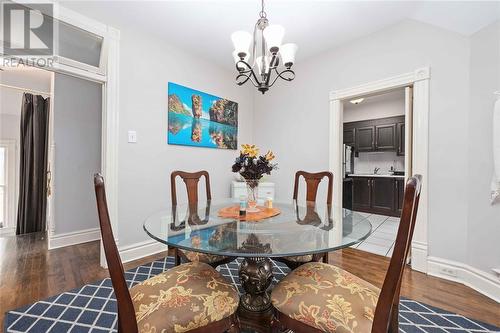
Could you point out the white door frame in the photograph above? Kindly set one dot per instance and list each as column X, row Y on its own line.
column 419, row 79
column 110, row 107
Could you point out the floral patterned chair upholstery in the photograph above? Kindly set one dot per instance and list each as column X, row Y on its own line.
column 327, row 298
column 191, row 297
column 317, row 297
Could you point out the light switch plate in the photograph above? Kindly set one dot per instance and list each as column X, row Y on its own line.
column 132, row 136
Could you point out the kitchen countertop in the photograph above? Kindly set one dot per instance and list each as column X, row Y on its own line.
column 373, row 175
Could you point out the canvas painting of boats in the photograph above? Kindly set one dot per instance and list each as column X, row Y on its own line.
column 199, row 119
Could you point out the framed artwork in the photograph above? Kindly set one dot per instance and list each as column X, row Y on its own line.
column 199, row 119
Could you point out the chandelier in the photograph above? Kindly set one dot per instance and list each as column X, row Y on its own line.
column 265, row 54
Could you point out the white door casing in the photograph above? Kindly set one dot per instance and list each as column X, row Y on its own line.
column 419, row 80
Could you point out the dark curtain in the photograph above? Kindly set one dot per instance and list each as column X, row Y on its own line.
column 33, row 164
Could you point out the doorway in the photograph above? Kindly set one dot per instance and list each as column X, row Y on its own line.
column 376, row 163
column 416, row 136
column 24, row 116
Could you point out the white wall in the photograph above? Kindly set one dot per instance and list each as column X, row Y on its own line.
column 374, row 107
column 294, row 117
column 147, row 64
column 484, row 220
column 77, row 139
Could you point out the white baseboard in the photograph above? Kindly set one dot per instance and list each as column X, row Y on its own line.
column 141, row 250
column 8, row 231
column 419, row 256
column 485, row 283
column 72, row 238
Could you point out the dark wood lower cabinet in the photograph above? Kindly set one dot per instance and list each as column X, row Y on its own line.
column 383, row 195
column 378, row 195
column 361, row 193
column 400, row 191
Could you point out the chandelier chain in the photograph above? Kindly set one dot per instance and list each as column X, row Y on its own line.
column 262, row 13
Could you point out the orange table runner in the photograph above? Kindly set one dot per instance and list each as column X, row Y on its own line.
column 233, row 212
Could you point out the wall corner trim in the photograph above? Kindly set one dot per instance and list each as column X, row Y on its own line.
column 485, row 283
column 140, row 250
column 419, row 256
column 72, row 238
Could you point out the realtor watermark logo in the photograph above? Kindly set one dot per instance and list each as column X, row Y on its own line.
column 28, row 31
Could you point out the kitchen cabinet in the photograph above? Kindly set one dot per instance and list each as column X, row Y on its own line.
column 400, row 192
column 361, row 193
column 377, row 195
column 365, row 139
column 384, row 134
column 401, row 139
column 383, row 195
column 386, row 137
column 349, row 134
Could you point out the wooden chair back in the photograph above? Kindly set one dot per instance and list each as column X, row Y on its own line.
column 312, row 183
column 126, row 314
column 191, row 180
column 386, row 312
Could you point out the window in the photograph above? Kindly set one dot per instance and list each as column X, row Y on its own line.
column 8, row 191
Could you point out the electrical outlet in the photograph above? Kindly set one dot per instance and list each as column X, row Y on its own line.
column 449, row 271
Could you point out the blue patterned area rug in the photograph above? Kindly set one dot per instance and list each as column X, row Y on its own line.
column 92, row 308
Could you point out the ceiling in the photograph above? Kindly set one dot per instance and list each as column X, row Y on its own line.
column 204, row 27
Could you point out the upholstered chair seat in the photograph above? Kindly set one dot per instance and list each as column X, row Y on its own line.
column 186, row 297
column 301, row 259
column 327, row 298
column 202, row 257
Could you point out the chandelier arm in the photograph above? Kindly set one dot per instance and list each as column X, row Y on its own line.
column 249, row 75
column 243, row 70
column 272, row 65
column 280, row 75
column 242, row 75
column 255, row 83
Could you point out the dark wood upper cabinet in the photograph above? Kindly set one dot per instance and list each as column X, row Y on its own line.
column 401, row 139
column 365, row 138
column 385, row 137
column 361, row 193
column 349, row 134
column 383, row 195
column 384, row 134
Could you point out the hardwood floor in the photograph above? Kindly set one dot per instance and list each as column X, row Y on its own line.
column 28, row 272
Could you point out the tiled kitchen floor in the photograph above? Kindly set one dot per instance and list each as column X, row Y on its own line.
column 381, row 241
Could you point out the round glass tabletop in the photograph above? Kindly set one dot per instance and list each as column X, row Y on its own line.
column 297, row 229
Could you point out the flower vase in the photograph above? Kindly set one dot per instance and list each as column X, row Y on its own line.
column 252, row 195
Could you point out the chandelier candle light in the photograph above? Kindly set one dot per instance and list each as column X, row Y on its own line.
column 266, row 52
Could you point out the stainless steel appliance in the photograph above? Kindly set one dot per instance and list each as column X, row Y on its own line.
column 348, row 160
column 348, row 168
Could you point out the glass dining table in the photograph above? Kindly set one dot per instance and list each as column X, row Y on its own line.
column 285, row 230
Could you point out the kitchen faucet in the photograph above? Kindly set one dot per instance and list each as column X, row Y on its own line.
column 375, row 170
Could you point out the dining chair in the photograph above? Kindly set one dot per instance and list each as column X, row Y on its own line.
column 317, row 297
column 191, row 297
column 312, row 183
column 191, row 179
